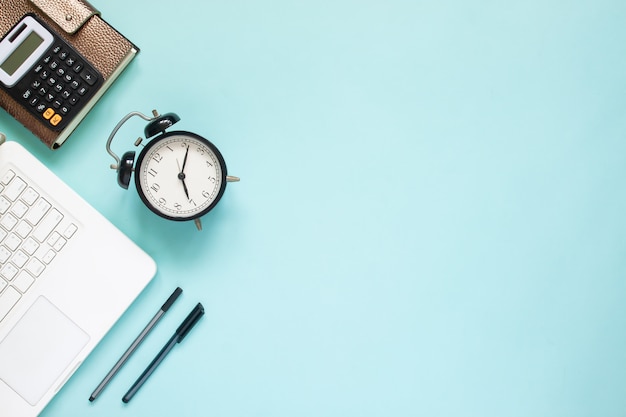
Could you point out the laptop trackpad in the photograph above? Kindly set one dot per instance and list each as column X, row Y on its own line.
column 38, row 349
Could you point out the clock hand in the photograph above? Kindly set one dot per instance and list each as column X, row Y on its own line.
column 185, row 160
column 181, row 177
column 185, row 188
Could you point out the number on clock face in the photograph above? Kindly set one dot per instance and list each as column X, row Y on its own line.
column 180, row 176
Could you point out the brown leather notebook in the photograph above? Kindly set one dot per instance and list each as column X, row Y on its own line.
column 57, row 58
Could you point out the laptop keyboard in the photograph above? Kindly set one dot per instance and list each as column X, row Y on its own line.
column 32, row 233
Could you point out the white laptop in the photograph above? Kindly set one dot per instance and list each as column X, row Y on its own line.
column 66, row 275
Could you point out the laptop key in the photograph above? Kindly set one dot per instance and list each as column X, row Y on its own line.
column 19, row 209
column 7, row 177
column 23, row 229
column 4, row 254
column 8, row 299
column 49, row 256
column 37, row 211
column 12, row 242
column 30, row 196
column 8, row 271
column 47, row 225
column 23, row 281
column 35, row 267
column 4, row 204
column 19, row 258
column 29, row 246
column 15, row 188
column 8, row 221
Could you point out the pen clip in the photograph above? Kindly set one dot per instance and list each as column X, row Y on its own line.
column 171, row 300
column 189, row 322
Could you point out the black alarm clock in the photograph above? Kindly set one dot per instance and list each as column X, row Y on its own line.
column 179, row 175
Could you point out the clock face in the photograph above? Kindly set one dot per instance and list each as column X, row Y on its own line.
column 180, row 175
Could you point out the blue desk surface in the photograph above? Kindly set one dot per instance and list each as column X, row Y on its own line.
column 431, row 218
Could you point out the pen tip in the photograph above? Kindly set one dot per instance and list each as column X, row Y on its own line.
column 92, row 398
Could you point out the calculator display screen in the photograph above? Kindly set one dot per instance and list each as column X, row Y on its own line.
column 17, row 57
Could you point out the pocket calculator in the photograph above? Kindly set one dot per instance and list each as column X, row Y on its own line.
column 45, row 74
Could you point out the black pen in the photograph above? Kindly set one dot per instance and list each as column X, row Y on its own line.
column 133, row 346
column 179, row 335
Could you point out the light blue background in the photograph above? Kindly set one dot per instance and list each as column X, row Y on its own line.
column 431, row 219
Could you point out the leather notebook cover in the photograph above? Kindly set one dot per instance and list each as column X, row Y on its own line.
column 81, row 26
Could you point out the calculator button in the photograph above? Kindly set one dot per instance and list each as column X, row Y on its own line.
column 82, row 90
column 63, row 55
column 38, row 68
column 65, row 109
column 54, row 65
column 33, row 101
column 26, row 95
column 47, row 59
column 40, row 107
column 58, row 88
column 49, row 97
column 57, row 103
column 48, row 113
column 36, row 84
column 78, row 67
column 65, row 94
column 73, row 100
column 70, row 61
column 44, row 74
column 88, row 77
column 56, row 119
column 75, row 84
column 56, row 49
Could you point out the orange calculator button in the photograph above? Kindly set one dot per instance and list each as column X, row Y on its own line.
column 56, row 119
column 48, row 113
